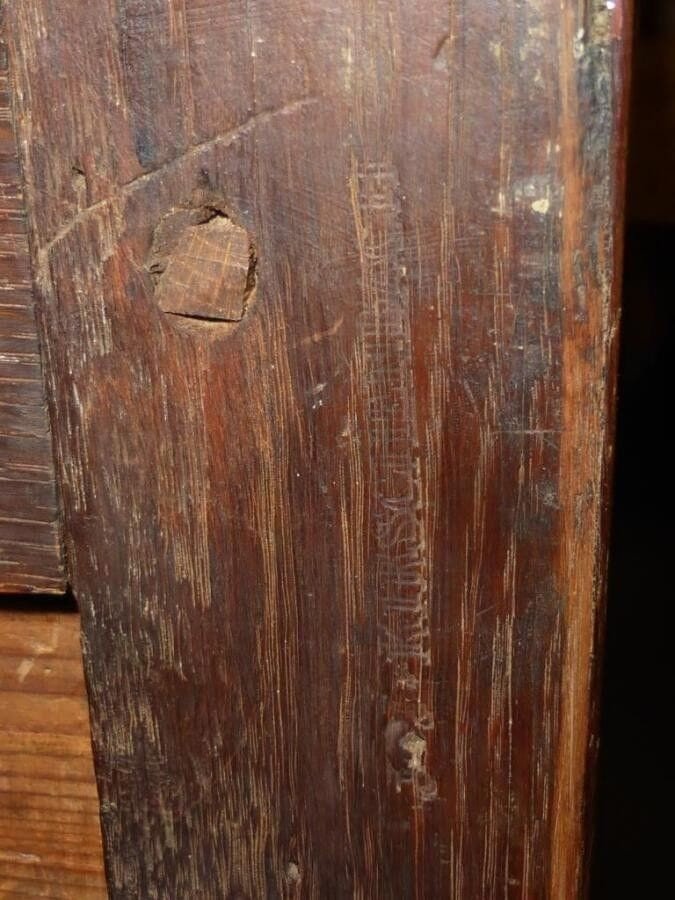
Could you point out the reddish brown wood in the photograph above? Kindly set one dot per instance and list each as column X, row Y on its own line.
column 30, row 546
column 340, row 563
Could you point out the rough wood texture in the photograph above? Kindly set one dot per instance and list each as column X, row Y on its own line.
column 50, row 838
column 30, row 546
column 340, row 564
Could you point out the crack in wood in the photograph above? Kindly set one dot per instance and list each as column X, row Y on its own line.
column 192, row 153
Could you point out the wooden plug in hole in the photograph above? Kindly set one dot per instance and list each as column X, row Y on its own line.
column 203, row 265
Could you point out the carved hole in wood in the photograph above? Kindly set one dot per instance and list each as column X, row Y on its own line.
column 80, row 187
column 203, row 266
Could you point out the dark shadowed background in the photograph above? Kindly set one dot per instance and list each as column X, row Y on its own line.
column 633, row 851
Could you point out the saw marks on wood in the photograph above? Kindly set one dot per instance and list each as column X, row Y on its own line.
column 30, row 544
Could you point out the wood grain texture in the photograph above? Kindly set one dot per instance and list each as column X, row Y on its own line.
column 50, row 837
column 340, row 564
column 30, row 544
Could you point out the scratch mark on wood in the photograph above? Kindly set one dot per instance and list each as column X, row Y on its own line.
column 192, row 154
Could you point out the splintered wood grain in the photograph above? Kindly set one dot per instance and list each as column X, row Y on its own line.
column 340, row 564
column 50, row 838
column 30, row 548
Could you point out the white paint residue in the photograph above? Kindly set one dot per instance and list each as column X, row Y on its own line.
column 23, row 669
column 579, row 43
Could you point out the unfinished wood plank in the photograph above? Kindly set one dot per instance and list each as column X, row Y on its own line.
column 340, row 563
column 50, row 838
column 30, row 545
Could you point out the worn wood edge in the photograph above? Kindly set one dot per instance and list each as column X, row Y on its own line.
column 622, row 64
column 584, row 562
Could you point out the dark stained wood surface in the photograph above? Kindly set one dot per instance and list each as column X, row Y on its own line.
column 340, row 563
column 30, row 546
column 50, row 837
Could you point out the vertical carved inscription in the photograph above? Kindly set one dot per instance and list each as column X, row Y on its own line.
column 398, row 568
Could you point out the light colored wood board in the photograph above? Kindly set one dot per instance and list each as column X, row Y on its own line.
column 50, row 842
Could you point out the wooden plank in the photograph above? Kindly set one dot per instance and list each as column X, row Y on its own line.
column 340, row 562
column 30, row 545
column 50, row 839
